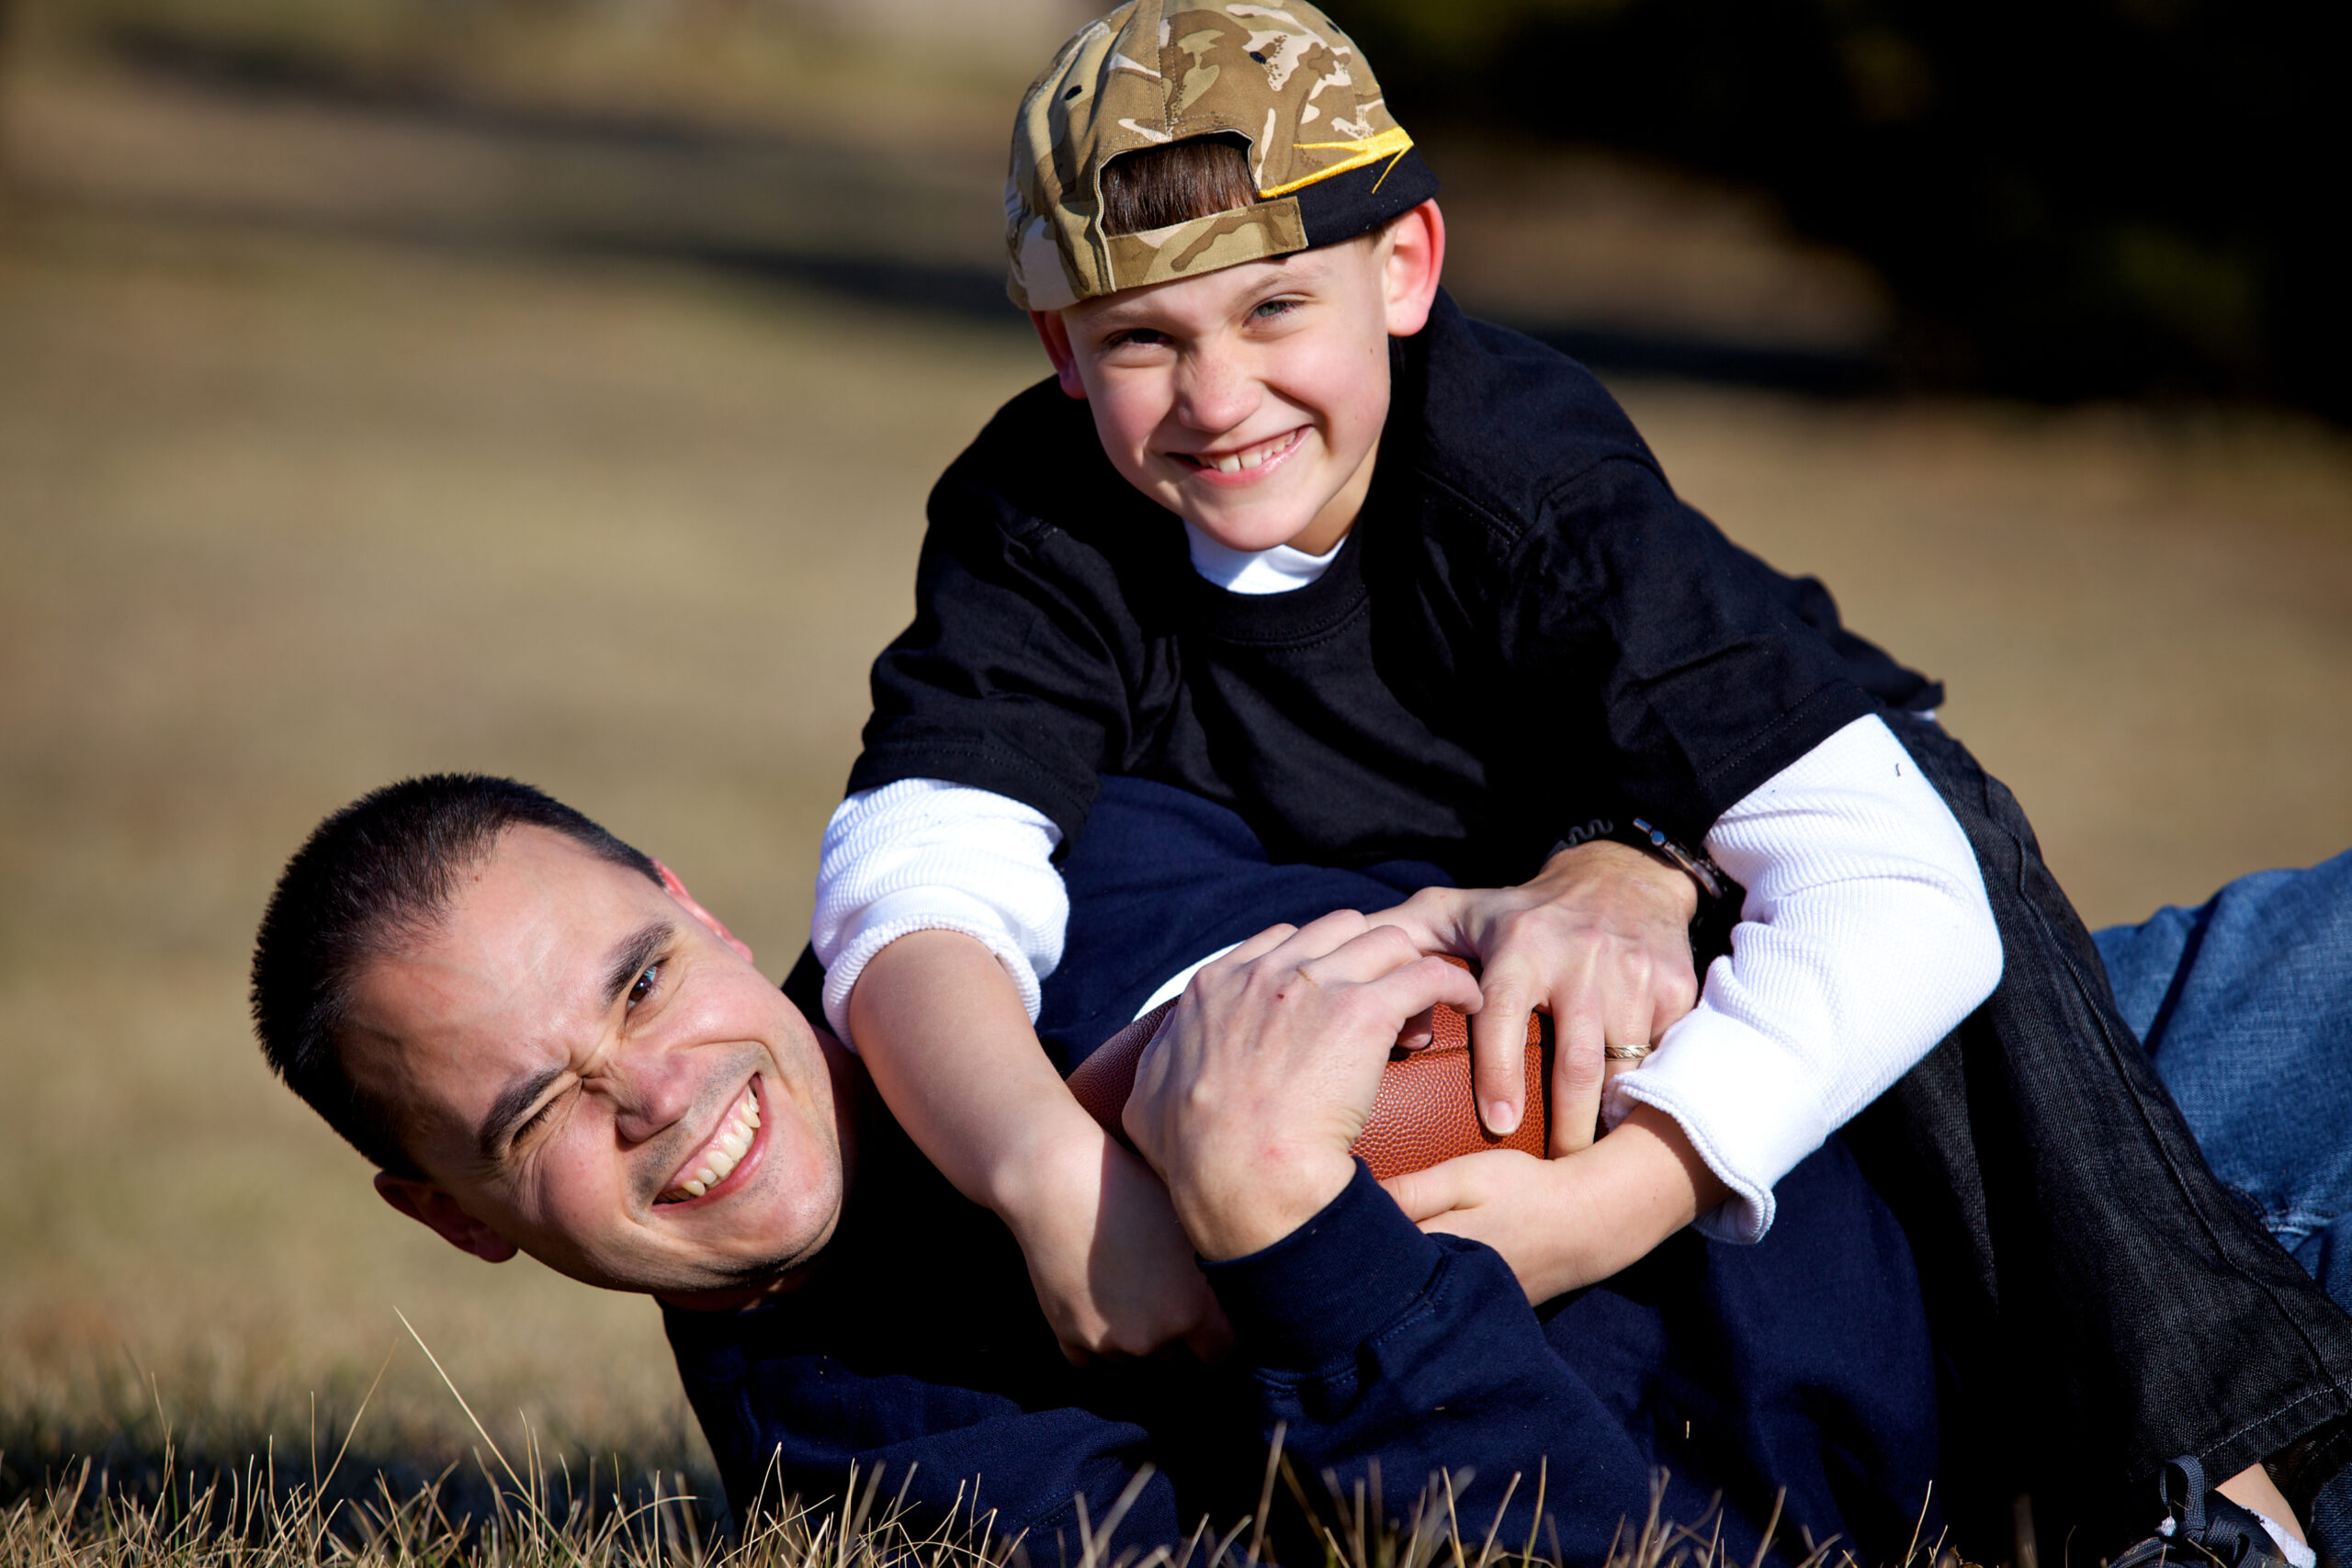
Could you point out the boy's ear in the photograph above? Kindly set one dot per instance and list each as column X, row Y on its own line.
column 1415, row 260
column 431, row 1207
column 711, row 922
column 1053, row 333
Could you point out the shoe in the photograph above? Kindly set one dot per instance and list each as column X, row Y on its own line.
column 2202, row 1528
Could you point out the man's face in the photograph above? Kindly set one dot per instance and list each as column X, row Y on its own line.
column 1249, row 400
column 573, row 1052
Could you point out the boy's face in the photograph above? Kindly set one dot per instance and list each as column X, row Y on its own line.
column 1249, row 400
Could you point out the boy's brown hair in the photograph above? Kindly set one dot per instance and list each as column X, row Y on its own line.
column 1175, row 184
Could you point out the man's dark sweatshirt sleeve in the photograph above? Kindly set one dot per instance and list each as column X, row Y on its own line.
column 1372, row 1342
column 1365, row 1339
column 1799, row 1363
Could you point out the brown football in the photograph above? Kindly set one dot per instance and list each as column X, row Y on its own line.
column 1424, row 1112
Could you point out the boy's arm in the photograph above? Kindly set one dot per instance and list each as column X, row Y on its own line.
column 944, row 1034
column 926, row 854
column 937, row 909
column 1865, row 938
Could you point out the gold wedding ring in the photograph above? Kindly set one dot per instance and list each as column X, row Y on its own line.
column 1626, row 1053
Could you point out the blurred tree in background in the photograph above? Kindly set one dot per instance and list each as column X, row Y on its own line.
column 2066, row 198
column 2069, row 198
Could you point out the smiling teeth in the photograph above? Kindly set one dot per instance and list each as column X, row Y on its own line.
column 1234, row 462
column 724, row 1152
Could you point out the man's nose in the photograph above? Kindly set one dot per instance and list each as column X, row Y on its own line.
column 653, row 1087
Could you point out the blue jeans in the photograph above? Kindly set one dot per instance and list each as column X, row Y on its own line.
column 2245, row 1003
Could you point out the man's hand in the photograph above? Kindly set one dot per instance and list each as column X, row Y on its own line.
column 1561, row 1224
column 1111, row 1268
column 1248, row 1099
column 1600, row 938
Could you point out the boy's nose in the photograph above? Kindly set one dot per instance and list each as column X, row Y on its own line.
column 1215, row 393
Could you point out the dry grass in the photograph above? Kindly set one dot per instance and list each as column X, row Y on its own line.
column 288, row 513
column 257, row 1516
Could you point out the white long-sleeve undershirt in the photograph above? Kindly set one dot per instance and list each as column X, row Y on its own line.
column 921, row 854
column 1864, row 939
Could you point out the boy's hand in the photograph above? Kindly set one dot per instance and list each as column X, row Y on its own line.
column 1566, row 1223
column 1111, row 1268
column 1600, row 938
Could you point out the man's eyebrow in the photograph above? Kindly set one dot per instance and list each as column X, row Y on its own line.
column 508, row 1108
column 631, row 956
column 622, row 966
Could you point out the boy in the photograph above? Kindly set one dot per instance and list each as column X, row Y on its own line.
column 1464, row 622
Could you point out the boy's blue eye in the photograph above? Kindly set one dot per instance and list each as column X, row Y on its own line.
column 1273, row 307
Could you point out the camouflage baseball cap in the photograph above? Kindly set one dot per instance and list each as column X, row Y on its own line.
column 1328, row 161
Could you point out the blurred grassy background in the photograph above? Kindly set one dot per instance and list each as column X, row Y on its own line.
column 552, row 389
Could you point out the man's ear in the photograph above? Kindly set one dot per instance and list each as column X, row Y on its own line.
column 716, row 925
column 431, row 1207
column 1415, row 259
column 1053, row 333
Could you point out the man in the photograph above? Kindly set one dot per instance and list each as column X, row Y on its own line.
column 546, row 1045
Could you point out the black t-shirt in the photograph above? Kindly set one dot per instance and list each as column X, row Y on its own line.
column 1525, row 630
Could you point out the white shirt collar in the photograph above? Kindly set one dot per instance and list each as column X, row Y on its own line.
column 1278, row 571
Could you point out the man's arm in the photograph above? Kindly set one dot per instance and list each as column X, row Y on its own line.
column 1384, row 1351
column 1370, row 1341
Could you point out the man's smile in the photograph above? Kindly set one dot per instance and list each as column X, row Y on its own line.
column 726, row 1159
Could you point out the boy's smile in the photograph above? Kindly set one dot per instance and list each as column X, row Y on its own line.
column 1249, row 400
column 1248, row 459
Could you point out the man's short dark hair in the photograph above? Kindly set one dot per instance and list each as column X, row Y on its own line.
column 376, row 875
column 1155, row 187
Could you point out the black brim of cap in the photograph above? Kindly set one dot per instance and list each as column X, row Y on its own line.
column 1363, row 198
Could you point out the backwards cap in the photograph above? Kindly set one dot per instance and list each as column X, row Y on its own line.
column 1328, row 161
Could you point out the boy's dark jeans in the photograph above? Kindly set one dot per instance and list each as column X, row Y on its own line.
column 2102, row 1302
